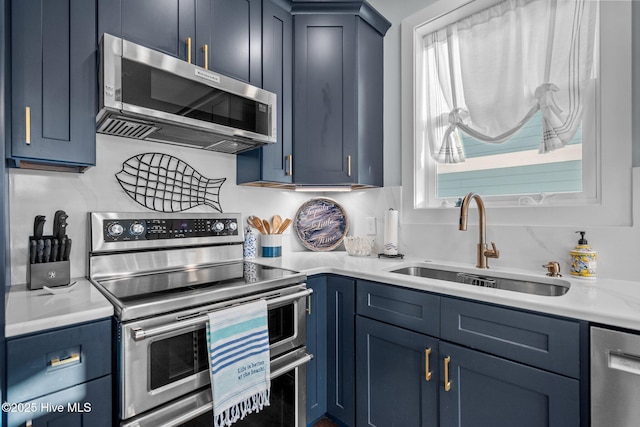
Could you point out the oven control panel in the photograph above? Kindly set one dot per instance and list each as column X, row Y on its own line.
column 168, row 228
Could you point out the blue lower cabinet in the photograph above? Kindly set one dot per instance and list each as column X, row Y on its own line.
column 60, row 377
column 83, row 405
column 341, row 349
column 486, row 390
column 397, row 378
column 316, row 345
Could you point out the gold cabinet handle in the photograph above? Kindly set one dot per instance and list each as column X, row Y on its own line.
column 27, row 121
column 447, row 383
column 309, row 304
column 348, row 165
column 205, row 49
column 289, row 172
column 189, row 50
column 75, row 357
column 427, row 375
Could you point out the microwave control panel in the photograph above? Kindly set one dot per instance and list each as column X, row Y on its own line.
column 168, row 229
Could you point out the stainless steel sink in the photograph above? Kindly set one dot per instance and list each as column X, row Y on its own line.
column 546, row 287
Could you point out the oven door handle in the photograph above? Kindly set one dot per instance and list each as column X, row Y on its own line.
column 302, row 357
column 140, row 334
column 306, row 358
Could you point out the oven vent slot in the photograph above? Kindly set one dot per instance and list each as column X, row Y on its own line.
column 126, row 128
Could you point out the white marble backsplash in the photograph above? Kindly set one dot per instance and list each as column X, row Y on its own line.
column 97, row 190
column 521, row 247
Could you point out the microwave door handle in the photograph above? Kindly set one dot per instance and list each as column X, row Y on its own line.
column 140, row 334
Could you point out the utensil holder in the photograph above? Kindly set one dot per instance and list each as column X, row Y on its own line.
column 271, row 245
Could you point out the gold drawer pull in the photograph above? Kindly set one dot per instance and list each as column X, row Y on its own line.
column 189, row 50
column 348, row 165
column 289, row 171
column 447, row 383
column 427, row 375
column 27, row 120
column 75, row 357
column 205, row 48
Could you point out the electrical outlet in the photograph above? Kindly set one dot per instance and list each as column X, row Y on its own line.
column 371, row 225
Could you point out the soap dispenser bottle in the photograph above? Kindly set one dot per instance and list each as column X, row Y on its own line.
column 584, row 260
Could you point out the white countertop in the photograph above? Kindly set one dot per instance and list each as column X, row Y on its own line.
column 34, row 311
column 609, row 302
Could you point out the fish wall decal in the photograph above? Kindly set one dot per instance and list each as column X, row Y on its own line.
column 165, row 183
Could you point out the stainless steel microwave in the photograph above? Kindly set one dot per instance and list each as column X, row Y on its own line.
column 146, row 94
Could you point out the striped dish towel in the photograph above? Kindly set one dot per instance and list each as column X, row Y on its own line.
column 238, row 342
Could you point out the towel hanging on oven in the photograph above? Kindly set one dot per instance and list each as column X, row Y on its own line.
column 238, row 343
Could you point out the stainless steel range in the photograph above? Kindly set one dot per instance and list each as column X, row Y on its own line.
column 163, row 273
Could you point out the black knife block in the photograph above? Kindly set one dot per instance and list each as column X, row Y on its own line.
column 49, row 274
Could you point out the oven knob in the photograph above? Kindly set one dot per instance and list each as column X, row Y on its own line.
column 233, row 226
column 218, row 226
column 115, row 229
column 136, row 229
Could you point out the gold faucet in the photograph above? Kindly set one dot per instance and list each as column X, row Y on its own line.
column 483, row 251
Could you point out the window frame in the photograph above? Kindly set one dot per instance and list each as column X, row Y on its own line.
column 605, row 202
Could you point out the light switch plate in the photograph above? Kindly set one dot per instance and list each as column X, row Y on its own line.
column 371, row 225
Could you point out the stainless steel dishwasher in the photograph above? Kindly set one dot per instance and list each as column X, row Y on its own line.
column 615, row 378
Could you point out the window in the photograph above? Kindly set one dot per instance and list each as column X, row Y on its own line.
column 513, row 168
column 501, row 162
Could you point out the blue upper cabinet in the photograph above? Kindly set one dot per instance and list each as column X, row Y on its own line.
column 53, row 84
column 220, row 35
column 338, row 102
column 165, row 25
column 273, row 163
column 236, row 48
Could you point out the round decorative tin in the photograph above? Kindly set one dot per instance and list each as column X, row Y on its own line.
column 321, row 224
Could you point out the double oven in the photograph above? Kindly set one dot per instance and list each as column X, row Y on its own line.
column 164, row 273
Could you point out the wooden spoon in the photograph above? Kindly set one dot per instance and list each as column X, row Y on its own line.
column 276, row 221
column 284, row 225
column 257, row 224
column 266, row 225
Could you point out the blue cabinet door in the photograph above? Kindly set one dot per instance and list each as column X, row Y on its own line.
column 163, row 25
column 236, row 37
column 397, row 379
column 341, row 349
column 84, row 405
column 54, row 82
column 273, row 163
column 325, row 99
column 316, row 345
column 487, row 390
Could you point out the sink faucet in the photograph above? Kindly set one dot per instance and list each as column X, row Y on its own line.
column 483, row 251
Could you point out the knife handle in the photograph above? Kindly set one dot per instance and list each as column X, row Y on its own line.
column 47, row 250
column 54, row 250
column 32, row 252
column 40, row 250
column 63, row 246
column 38, row 226
column 67, row 250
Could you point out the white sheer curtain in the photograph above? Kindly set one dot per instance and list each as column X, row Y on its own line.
column 489, row 73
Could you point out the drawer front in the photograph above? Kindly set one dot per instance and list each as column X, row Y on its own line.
column 418, row 311
column 536, row 340
column 47, row 362
column 83, row 405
